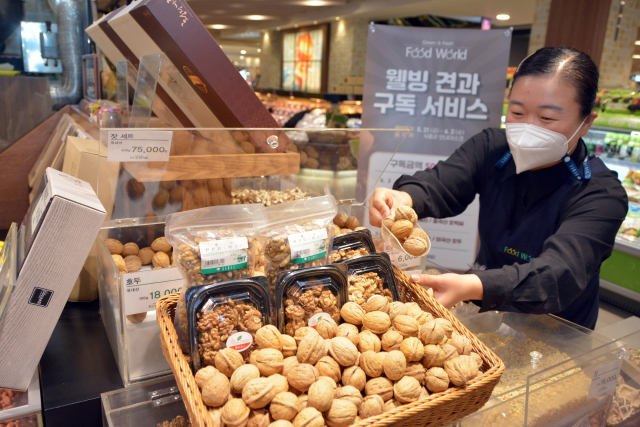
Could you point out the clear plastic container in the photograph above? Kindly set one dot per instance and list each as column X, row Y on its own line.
column 304, row 296
column 371, row 275
column 334, row 150
column 24, row 406
column 226, row 314
column 352, row 245
column 8, row 266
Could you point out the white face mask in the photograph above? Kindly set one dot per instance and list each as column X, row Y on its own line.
column 534, row 146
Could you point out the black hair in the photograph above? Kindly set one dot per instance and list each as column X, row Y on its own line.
column 576, row 67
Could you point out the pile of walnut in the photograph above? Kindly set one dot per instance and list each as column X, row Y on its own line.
column 12, row 399
column 267, row 197
column 364, row 286
column 129, row 258
column 344, row 225
column 386, row 355
column 300, row 306
column 401, row 224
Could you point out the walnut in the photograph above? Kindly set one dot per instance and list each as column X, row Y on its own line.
column 461, row 343
column 228, row 360
column 415, row 370
column 407, row 390
column 328, row 367
column 381, row 386
column 372, row 364
column 461, row 370
column 302, row 332
column 394, row 365
column 351, row 394
column 258, row 393
column 146, row 255
column 401, row 229
column 355, row 377
column 302, row 376
column 416, row 247
column 137, row 318
column 133, row 263
column 241, row 377
column 302, row 402
column 369, row 341
column 114, row 246
column 311, row 348
column 450, row 352
column 371, row 406
column 342, row 413
column 389, row 221
column 405, row 212
column 391, row 340
column 160, row 260
column 423, row 317
column 433, row 356
column 340, row 220
column 406, row 325
column 269, row 336
column 283, row 406
column 327, row 328
column 280, row 383
column 413, row 309
column 352, row 313
column 327, row 299
column 352, row 223
column 259, row 418
column 377, row 303
column 349, row 331
column 269, row 361
column 431, row 333
column 235, row 413
column 377, row 322
column 216, row 390
column 412, row 349
column 321, row 393
column 289, row 363
column 204, row 374
column 343, row 351
column 120, row 264
column 130, row 249
column 281, row 423
column 437, row 380
column 289, row 346
column 391, row 404
column 308, row 417
column 161, row 245
column 446, row 326
column 476, row 357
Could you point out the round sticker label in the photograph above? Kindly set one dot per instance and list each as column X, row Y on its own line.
column 240, row 341
column 313, row 322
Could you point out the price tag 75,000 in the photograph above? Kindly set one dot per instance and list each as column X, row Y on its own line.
column 138, row 146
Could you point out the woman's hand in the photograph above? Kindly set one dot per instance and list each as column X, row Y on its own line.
column 449, row 289
column 384, row 201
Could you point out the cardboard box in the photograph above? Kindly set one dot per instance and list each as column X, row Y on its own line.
column 55, row 238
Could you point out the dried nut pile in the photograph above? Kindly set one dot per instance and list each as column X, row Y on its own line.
column 300, row 306
column 217, row 325
column 169, row 192
column 364, row 286
column 12, row 399
column 267, row 197
column 29, row 421
column 344, row 224
column 178, row 421
column 338, row 375
column 129, row 258
column 401, row 224
column 342, row 254
column 626, row 404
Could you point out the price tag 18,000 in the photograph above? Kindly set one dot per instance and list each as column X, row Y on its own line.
column 605, row 379
column 139, row 146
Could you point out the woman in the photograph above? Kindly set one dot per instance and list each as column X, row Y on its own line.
column 548, row 213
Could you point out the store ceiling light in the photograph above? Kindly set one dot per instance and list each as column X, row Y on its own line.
column 259, row 50
column 316, row 3
column 503, row 17
column 243, row 51
column 241, row 57
column 636, row 56
column 637, row 42
column 218, row 26
column 337, row 18
column 256, row 17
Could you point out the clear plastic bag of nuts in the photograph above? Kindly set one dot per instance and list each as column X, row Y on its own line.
column 303, row 297
column 212, row 245
column 297, row 235
column 226, row 315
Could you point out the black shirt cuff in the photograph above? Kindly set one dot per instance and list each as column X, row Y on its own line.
column 496, row 290
column 418, row 196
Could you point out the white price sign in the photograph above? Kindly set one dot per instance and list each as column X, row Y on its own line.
column 139, row 146
column 142, row 290
column 605, row 379
column 401, row 260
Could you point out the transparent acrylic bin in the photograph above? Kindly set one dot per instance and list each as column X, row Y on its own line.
column 28, row 407
column 147, row 404
column 135, row 342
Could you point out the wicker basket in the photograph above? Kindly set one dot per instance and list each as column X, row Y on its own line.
column 437, row 410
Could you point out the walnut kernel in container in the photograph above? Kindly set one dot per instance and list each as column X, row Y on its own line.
column 364, row 286
column 301, row 305
column 343, row 254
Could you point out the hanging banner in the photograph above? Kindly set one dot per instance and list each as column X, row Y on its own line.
column 445, row 85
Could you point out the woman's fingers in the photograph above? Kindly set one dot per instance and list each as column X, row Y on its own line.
column 379, row 206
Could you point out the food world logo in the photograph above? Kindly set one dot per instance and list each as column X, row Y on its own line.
column 423, row 52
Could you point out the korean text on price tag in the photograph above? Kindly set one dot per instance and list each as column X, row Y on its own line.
column 605, row 379
column 308, row 246
column 130, row 145
column 401, row 260
column 224, row 255
column 142, row 290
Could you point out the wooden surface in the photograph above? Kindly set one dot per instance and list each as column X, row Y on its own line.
column 215, row 166
column 580, row 24
column 15, row 164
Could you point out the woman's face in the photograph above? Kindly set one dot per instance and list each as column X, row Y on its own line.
column 548, row 102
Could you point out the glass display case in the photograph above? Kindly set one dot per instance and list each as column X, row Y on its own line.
column 149, row 404
column 24, row 406
column 150, row 173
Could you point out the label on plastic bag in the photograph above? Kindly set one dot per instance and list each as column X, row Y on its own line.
column 313, row 322
column 308, row 246
column 224, row 255
column 605, row 379
column 240, row 341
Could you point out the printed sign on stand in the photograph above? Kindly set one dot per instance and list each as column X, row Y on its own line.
column 445, row 85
